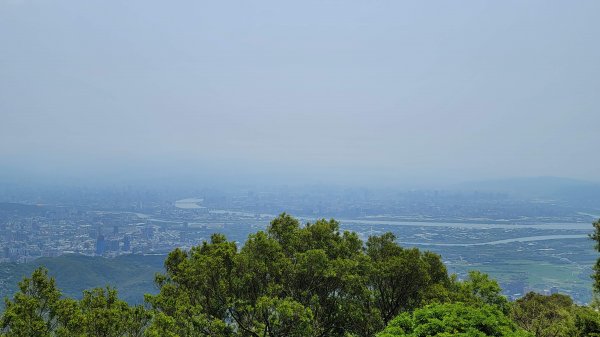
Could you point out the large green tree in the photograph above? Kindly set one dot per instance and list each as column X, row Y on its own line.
column 292, row 280
column 401, row 278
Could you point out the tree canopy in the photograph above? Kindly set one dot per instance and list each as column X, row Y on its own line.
column 453, row 319
column 315, row 274
column 555, row 316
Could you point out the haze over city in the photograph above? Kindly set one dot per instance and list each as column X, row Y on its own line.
column 312, row 91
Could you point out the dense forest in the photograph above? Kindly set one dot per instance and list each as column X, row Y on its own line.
column 301, row 280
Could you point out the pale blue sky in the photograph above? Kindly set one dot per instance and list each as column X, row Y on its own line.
column 342, row 90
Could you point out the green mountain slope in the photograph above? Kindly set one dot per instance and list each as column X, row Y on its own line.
column 133, row 275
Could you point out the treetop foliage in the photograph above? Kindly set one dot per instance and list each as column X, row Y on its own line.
column 316, row 274
column 453, row 319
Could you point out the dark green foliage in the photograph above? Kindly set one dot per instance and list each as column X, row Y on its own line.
column 293, row 280
column 453, row 319
column 555, row 316
column 33, row 311
column 102, row 313
column 400, row 278
column 596, row 237
column 477, row 289
column 38, row 310
column 587, row 322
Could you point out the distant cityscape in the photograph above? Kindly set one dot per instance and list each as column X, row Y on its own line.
column 29, row 231
column 506, row 236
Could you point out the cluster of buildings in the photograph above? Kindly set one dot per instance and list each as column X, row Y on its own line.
column 29, row 232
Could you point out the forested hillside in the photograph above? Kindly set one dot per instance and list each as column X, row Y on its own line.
column 299, row 280
column 132, row 274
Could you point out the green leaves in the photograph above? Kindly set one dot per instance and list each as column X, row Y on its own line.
column 479, row 289
column 283, row 317
column 38, row 310
column 453, row 319
column 402, row 278
column 32, row 312
column 102, row 313
column 555, row 316
column 596, row 237
column 310, row 280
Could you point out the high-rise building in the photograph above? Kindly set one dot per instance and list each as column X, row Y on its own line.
column 127, row 243
column 100, row 245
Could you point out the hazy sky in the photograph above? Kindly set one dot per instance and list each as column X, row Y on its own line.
column 342, row 90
